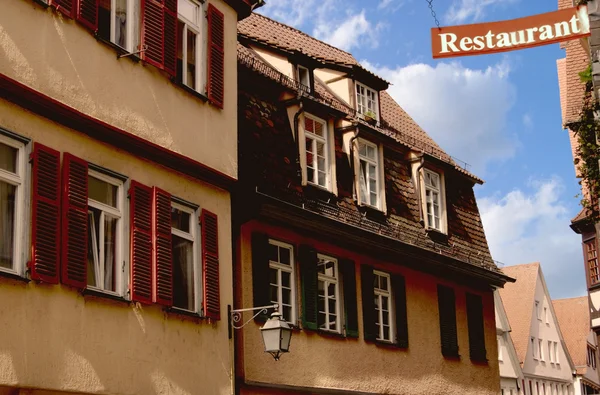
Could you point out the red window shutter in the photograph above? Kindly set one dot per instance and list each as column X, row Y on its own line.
column 74, row 221
column 67, row 7
column 45, row 217
column 210, row 265
column 163, row 265
column 159, row 33
column 140, row 220
column 87, row 13
column 216, row 56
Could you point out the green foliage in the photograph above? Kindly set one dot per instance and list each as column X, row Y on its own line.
column 586, row 129
column 586, row 75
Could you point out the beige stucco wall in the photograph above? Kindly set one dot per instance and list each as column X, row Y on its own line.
column 591, row 373
column 317, row 360
column 54, row 338
column 539, row 329
column 54, row 55
column 342, row 87
column 280, row 63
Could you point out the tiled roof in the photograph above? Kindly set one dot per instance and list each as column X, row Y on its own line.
column 268, row 163
column 395, row 122
column 273, row 33
column 574, row 319
column 518, row 300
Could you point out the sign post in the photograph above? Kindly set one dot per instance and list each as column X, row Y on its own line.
column 532, row 31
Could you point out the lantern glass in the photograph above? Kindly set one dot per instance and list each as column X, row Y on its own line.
column 276, row 334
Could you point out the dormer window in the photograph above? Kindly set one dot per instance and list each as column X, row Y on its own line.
column 432, row 194
column 303, row 77
column 368, row 173
column 367, row 103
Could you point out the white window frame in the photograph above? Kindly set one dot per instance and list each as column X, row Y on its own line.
column 194, row 237
column 380, row 293
column 533, row 348
column 291, row 269
column 366, row 91
column 133, row 15
column 538, row 312
column 20, row 180
column 441, row 200
column 500, row 344
column 332, row 280
column 372, row 162
column 556, row 359
column 197, row 27
column 546, row 315
column 120, row 237
column 541, row 349
column 325, row 140
column 551, row 351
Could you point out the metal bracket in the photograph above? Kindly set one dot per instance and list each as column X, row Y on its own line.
column 236, row 315
column 144, row 49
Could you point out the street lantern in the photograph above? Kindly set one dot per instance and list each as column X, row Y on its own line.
column 276, row 334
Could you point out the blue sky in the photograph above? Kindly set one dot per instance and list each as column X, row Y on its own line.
column 499, row 113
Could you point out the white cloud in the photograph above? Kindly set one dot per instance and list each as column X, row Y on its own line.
column 533, row 226
column 290, row 12
column 464, row 110
column 527, row 121
column 354, row 30
column 343, row 30
column 392, row 5
column 473, row 10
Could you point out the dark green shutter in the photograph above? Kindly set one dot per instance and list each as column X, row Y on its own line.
column 349, row 282
column 476, row 329
column 308, row 267
column 260, row 272
column 399, row 291
column 368, row 302
column 447, row 311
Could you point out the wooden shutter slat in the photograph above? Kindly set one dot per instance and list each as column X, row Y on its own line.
column 260, row 272
column 216, row 56
column 348, row 271
column 399, row 292
column 476, row 328
column 45, row 218
column 74, row 221
column 308, row 267
column 162, row 258
column 210, row 265
column 140, row 220
column 368, row 302
column 67, row 7
column 87, row 14
column 447, row 313
column 159, row 34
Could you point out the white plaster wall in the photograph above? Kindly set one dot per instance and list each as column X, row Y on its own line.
column 277, row 61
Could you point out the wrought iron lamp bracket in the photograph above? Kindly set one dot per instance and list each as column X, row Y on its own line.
column 236, row 315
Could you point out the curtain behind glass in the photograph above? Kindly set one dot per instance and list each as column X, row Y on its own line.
column 183, row 273
column 7, row 224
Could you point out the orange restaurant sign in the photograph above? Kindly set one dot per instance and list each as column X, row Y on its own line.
column 484, row 38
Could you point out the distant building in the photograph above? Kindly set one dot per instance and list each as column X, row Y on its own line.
column 359, row 226
column 545, row 361
column 574, row 318
column 511, row 375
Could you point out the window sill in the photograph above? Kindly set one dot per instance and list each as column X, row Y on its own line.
column 319, row 192
column 183, row 312
column 119, row 50
column 436, row 235
column 106, row 295
column 334, row 335
column 189, row 90
column 389, row 344
column 374, row 213
column 14, row 276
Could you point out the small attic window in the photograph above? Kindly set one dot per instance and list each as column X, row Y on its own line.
column 304, row 77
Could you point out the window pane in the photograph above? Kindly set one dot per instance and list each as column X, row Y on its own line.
column 309, row 125
column 180, row 220
column 102, row 191
column 286, row 296
column 321, row 304
column 373, row 201
column 321, row 286
column 120, row 23
column 332, row 322
column 370, row 152
column 7, row 224
column 322, row 180
column 273, row 276
column 110, row 253
column 104, row 8
column 93, row 268
column 285, row 279
column 191, row 59
column 332, row 309
column 384, row 283
column 287, row 313
column 180, row 65
column 331, row 290
column 273, row 253
column 319, row 129
column 274, row 294
column 183, row 273
column 284, row 255
column 8, row 158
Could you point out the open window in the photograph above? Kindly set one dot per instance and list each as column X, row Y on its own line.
column 118, row 22
column 303, row 77
column 191, row 66
column 431, row 188
column 369, row 174
column 317, row 152
column 367, row 102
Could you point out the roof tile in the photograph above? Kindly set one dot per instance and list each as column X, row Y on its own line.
column 574, row 319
